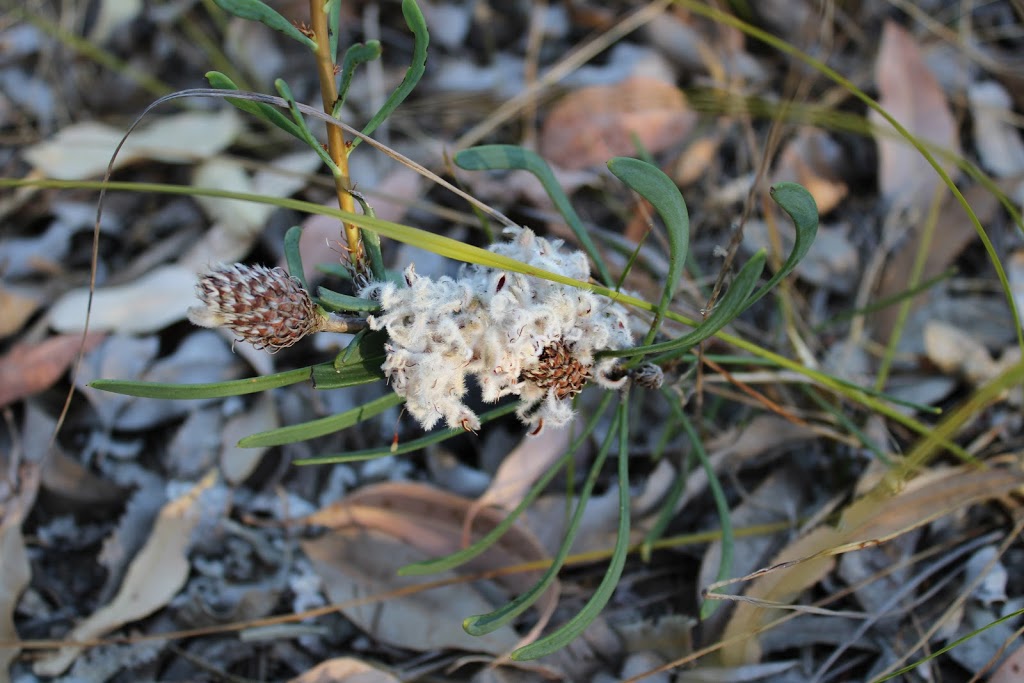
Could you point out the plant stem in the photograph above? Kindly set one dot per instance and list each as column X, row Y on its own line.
column 337, row 147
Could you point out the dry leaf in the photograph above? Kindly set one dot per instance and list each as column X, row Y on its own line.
column 345, row 670
column 1012, row 668
column 378, row 529
column 15, row 571
column 872, row 518
column 912, row 95
column 696, row 159
column 591, row 125
column 29, row 368
column 238, row 463
column 998, row 140
column 83, row 150
column 1015, row 274
column 956, row 352
column 155, row 576
column 17, row 309
column 159, row 298
column 812, row 159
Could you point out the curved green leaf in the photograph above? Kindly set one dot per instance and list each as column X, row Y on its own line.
column 575, row 626
column 360, row 363
column 293, row 256
column 266, row 112
column 258, row 11
column 418, row 25
column 323, row 426
column 734, row 302
column 304, row 133
column 482, row 624
column 506, row 157
column 653, row 185
column 355, row 55
column 235, row 387
column 460, row 557
column 799, row 204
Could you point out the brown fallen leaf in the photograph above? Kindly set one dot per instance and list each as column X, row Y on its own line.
column 591, row 125
column 155, row 576
column 17, row 308
column 381, row 528
column 345, row 670
column 15, row 570
column 1012, row 668
column 869, row 520
column 813, row 159
column 29, row 368
column 912, row 95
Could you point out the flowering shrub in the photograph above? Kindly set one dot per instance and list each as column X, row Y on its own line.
column 516, row 335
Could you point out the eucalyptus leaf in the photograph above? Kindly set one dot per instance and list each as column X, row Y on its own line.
column 261, row 12
column 660, row 190
column 322, row 426
column 506, row 157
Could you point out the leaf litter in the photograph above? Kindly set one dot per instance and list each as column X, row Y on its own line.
column 85, row 560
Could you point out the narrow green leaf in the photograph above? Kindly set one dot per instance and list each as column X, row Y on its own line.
column 734, row 302
column 235, row 387
column 660, row 190
column 460, row 557
column 721, row 504
column 418, row 25
column 266, row 112
column 322, row 426
column 506, row 157
column 293, row 256
column 355, row 55
column 799, row 204
column 371, row 240
column 361, row 363
column 332, row 8
column 304, row 133
column 336, row 302
column 575, row 626
column 434, row 437
column 482, row 624
column 258, row 11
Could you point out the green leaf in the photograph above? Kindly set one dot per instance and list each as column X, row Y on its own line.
column 657, row 188
column 323, row 426
column 799, row 204
column 266, row 112
column 336, row 302
column 361, row 364
column 355, row 55
column 734, row 302
column 575, row 626
column 332, row 8
column 460, row 557
column 304, row 133
column 434, row 437
column 258, row 11
column 483, row 624
column 418, row 25
column 236, row 387
column 293, row 256
column 506, row 157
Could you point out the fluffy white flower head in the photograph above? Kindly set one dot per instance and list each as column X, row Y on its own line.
column 517, row 335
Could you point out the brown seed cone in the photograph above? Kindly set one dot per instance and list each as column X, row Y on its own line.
column 264, row 306
column 558, row 369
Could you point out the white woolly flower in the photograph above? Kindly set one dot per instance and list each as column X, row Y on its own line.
column 516, row 335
